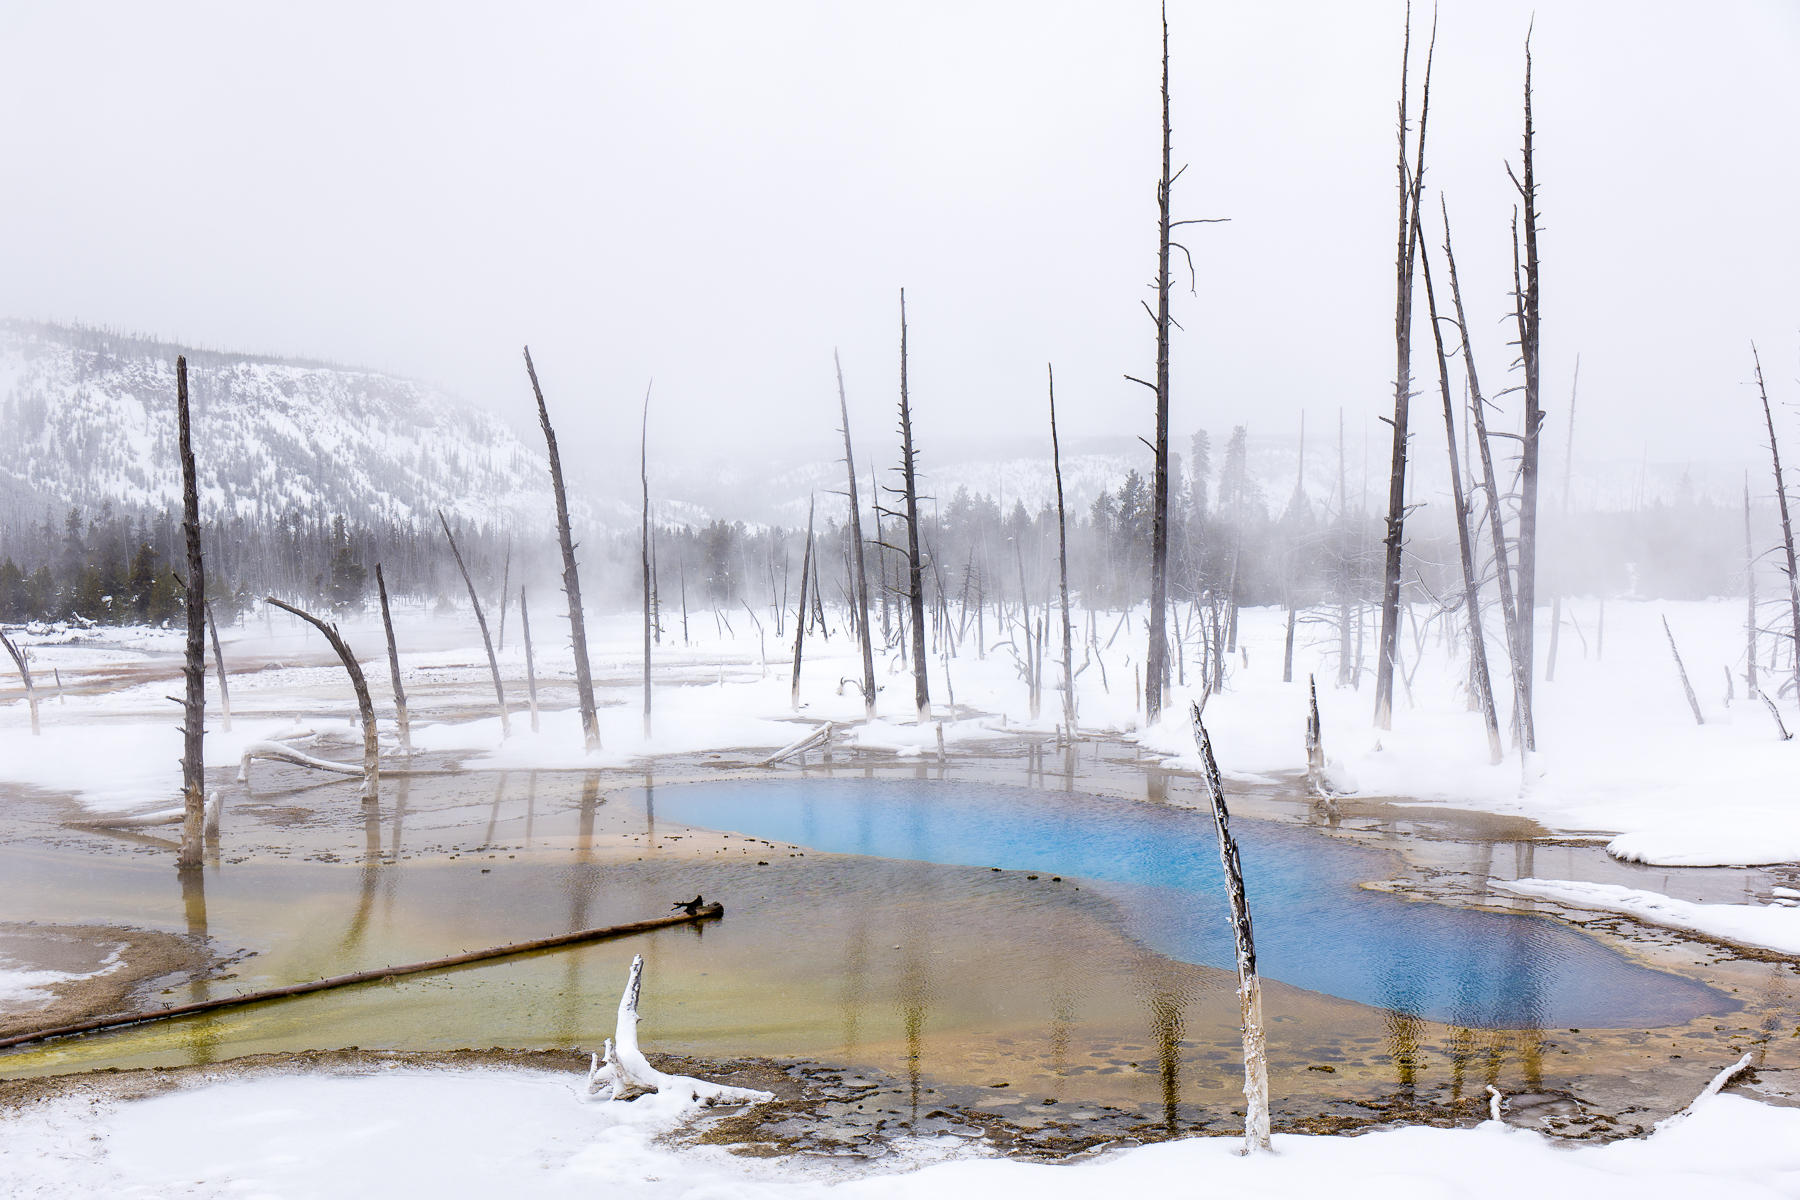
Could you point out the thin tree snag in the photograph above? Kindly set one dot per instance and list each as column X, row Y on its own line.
column 1157, row 655
column 193, row 758
column 1062, row 566
column 1527, row 313
column 915, row 579
column 1781, row 499
column 1411, row 182
column 644, row 543
column 530, row 667
column 806, row 566
column 1256, row 1065
column 1484, row 688
column 584, row 679
column 1568, row 473
column 31, row 698
column 1509, row 613
column 393, row 652
column 1749, row 598
column 505, row 591
column 480, row 620
column 708, row 912
column 860, row 583
column 1687, row 687
column 1775, row 714
column 371, row 739
column 212, row 627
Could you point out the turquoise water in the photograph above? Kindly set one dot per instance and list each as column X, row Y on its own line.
column 1315, row 927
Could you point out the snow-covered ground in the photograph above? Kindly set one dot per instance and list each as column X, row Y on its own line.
column 1620, row 759
column 452, row 1133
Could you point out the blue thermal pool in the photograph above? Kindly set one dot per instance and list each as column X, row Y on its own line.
column 1316, row 928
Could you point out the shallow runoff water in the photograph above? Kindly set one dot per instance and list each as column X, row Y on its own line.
column 1315, row 926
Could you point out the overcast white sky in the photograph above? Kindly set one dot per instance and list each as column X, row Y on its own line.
column 716, row 194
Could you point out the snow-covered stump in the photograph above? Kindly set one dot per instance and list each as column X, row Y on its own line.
column 620, row 1071
column 1256, row 1065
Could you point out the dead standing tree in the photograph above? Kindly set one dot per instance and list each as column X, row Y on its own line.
column 584, row 680
column 1525, row 291
column 1062, row 567
column 915, row 580
column 1484, row 688
column 480, row 620
column 1568, row 474
column 644, row 543
column 859, row 584
column 1522, row 718
column 212, row 627
column 530, row 666
column 1256, row 1065
column 1157, row 659
column 364, row 706
column 806, row 571
column 393, row 650
column 31, row 699
column 1781, row 500
column 193, row 758
column 1406, row 252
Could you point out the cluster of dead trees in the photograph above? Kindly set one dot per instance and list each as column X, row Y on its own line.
column 1481, row 504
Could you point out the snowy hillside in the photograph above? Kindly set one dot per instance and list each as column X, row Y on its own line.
column 87, row 417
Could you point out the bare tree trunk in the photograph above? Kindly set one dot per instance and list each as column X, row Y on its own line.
column 31, row 699
column 915, row 580
column 859, row 585
column 505, row 591
column 1781, row 499
column 1156, row 659
column 644, row 544
column 481, row 620
column 219, row 668
column 1256, row 1066
column 387, row 625
column 1527, row 311
column 584, row 681
column 1568, row 472
column 1484, row 688
column 1346, row 567
column 1410, row 184
column 530, row 666
column 1062, row 565
column 193, row 758
column 1749, row 597
column 1509, row 612
column 371, row 741
column 1687, row 687
column 806, row 564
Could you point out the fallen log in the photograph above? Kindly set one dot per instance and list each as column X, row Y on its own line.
column 705, row 913
column 817, row 738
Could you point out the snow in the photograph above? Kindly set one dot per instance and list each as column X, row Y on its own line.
column 1767, row 926
column 455, row 1133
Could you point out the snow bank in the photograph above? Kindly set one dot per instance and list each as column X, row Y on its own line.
column 464, row 1133
column 1767, row 926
